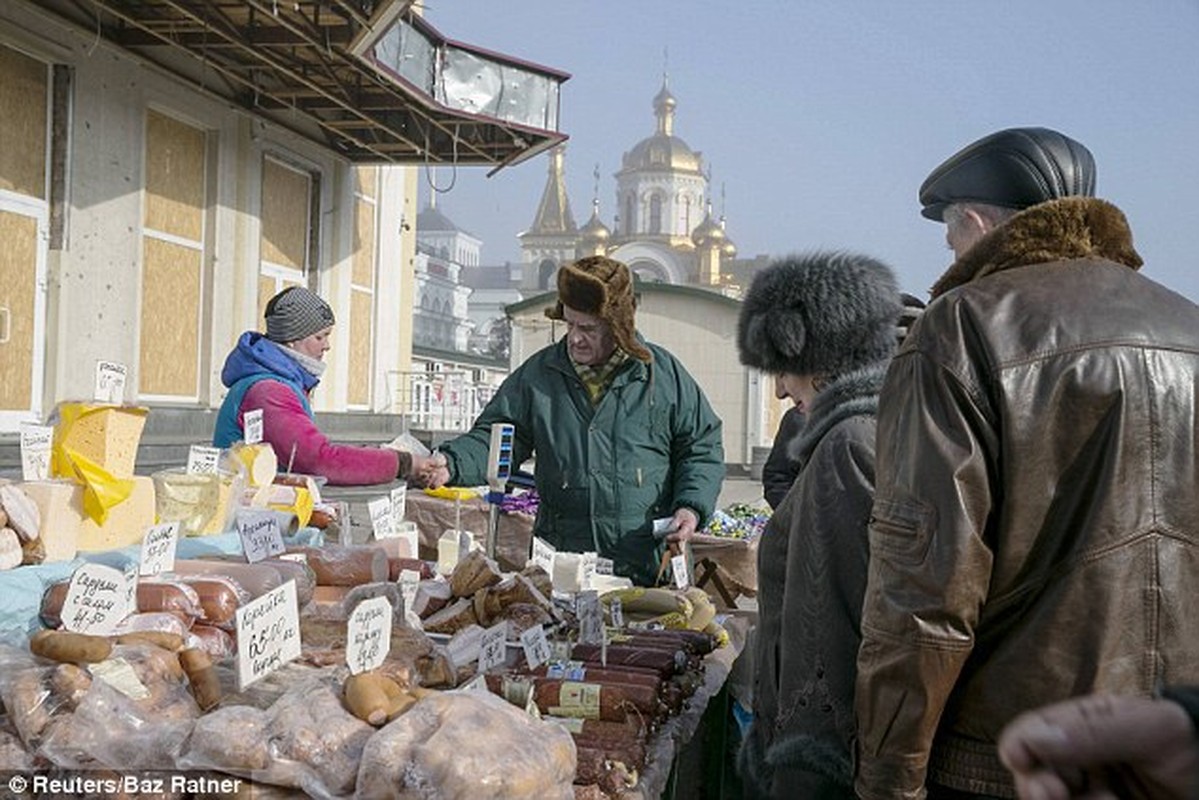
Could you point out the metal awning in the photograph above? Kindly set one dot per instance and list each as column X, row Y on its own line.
column 367, row 78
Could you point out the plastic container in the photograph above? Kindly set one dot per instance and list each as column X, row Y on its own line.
column 199, row 501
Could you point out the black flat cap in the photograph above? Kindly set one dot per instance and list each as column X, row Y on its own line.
column 1014, row 168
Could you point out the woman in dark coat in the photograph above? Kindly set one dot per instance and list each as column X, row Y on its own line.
column 825, row 325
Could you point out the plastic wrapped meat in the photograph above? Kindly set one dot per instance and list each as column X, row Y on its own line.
column 467, row 746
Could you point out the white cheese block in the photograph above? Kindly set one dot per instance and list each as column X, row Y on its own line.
column 568, row 572
column 60, row 504
column 127, row 521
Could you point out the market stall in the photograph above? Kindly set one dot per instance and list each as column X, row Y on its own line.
column 262, row 653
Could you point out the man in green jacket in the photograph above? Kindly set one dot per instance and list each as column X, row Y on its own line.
column 622, row 433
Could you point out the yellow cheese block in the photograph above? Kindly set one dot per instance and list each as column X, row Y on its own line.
column 104, row 434
column 127, row 521
column 60, row 506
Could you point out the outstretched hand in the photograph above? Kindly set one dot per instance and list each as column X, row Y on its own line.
column 1103, row 746
column 431, row 472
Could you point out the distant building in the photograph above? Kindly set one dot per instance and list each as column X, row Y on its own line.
column 663, row 228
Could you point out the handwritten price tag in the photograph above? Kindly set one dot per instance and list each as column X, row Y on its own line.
column 368, row 635
column 97, row 600
column 543, row 555
column 604, row 566
column 158, row 549
column 268, row 634
column 409, row 583
column 616, row 612
column 591, row 618
column 678, row 565
column 589, row 561
column 260, row 534
column 536, row 647
column 110, row 382
column 252, row 426
column 399, row 506
column 494, row 648
column 35, row 452
column 202, row 460
column 380, row 513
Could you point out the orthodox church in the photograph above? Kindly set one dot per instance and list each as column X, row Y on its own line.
column 663, row 227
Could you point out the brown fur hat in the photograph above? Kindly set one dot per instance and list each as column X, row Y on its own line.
column 603, row 287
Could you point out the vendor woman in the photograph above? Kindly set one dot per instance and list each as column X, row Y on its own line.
column 277, row 373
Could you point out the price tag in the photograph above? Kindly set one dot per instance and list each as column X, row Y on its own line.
column 399, row 506
column 616, row 612
column 409, row 544
column 119, row 674
column 588, row 561
column 97, row 600
column 380, row 513
column 202, row 460
column 158, row 549
column 252, row 426
column 591, row 619
column 260, row 534
column 368, row 635
column 476, row 684
column 110, row 382
column 543, row 555
column 678, row 565
column 268, row 634
column 409, row 582
column 494, row 649
column 35, row 452
column 536, row 647
column 604, row 566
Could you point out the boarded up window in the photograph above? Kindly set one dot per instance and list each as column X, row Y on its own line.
column 172, row 258
column 18, row 261
column 24, row 160
column 286, row 202
column 362, row 288
column 23, row 124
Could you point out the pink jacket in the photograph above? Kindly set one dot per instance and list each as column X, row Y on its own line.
column 285, row 423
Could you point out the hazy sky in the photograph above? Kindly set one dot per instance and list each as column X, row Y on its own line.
column 821, row 119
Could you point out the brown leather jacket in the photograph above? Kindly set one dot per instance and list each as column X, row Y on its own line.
column 1035, row 532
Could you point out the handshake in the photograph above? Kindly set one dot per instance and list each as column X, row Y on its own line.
column 428, row 470
column 431, row 471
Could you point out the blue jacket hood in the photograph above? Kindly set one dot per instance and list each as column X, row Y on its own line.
column 257, row 355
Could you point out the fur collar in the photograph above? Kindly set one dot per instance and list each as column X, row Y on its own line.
column 1060, row 230
column 852, row 394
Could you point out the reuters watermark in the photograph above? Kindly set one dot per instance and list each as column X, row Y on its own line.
column 61, row 783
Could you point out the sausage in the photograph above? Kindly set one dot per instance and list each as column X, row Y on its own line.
column 212, row 640
column 663, row 662
column 345, row 565
column 219, row 597
column 206, row 686
column 255, row 579
column 71, row 648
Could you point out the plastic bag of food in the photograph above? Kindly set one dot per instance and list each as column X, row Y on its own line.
column 305, row 740
column 467, row 746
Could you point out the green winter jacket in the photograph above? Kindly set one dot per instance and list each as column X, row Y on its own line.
column 604, row 473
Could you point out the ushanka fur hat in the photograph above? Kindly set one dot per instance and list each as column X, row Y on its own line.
column 819, row 314
column 603, row 287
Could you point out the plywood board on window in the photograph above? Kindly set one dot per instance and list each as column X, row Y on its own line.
column 361, row 334
column 364, row 244
column 286, row 201
column 18, row 280
column 170, row 319
column 23, row 84
column 174, row 177
column 365, row 180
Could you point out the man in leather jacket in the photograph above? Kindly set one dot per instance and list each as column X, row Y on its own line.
column 1035, row 529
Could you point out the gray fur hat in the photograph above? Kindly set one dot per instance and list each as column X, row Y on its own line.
column 819, row 314
column 296, row 313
